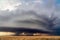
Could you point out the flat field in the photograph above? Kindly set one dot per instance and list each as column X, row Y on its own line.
column 29, row 38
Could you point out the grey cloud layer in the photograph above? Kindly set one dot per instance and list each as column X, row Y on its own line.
column 23, row 13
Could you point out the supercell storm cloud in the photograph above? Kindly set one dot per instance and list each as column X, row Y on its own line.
column 29, row 13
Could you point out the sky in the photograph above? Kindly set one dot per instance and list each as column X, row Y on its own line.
column 15, row 10
column 58, row 1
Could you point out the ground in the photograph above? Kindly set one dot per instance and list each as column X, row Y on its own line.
column 29, row 38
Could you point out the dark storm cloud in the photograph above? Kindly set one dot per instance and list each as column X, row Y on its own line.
column 27, row 14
